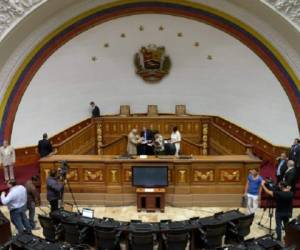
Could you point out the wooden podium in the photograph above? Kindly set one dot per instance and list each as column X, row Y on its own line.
column 150, row 199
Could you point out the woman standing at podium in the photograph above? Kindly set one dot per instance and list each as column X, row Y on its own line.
column 176, row 139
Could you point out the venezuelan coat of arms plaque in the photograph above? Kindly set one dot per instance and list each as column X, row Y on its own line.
column 152, row 63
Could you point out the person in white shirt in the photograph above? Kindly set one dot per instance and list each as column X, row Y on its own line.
column 7, row 160
column 176, row 139
column 16, row 201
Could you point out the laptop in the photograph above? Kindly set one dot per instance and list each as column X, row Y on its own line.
column 88, row 213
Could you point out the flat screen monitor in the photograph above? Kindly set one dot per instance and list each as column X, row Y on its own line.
column 150, row 177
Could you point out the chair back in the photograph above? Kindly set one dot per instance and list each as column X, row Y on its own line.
column 214, row 235
column 51, row 230
column 244, row 225
column 141, row 241
column 176, row 240
column 72, row 232
column 107, row 239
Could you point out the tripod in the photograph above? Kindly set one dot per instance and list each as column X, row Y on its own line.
column 66, row 183
column 270, row 208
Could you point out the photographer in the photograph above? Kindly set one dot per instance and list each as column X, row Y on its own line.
column 284, row 205
column 54, row 189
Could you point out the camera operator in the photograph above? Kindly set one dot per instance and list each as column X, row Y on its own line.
column 284, row 205
column 54, row 189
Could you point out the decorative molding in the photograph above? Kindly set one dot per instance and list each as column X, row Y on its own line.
column 290, row 10
column 13, row 11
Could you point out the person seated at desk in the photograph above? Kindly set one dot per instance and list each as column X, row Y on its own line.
column 146, row 147
column 133, row 141
column 158, row 143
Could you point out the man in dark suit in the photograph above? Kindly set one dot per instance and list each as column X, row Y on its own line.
column 147, row 138
column 281, row 167
column 44, row 146
column 290, row 175
column 294, row 153
column 95, row 110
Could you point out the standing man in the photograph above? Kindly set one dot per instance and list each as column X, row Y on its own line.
column 146, row 140
column 33, row 199
column 54, row 189
column 284, row 205
column 281, row 167
column 16, row 200
column 294, row 153
column 7, row 159
column 253, row 190
column 95, row 110
column 44, row 146
column 133, row 140
column 290, row 175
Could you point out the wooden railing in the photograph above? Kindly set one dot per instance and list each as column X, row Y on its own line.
column 82, row 142
column 260, row 147
column 115, row 147
column 188, row 147
column 29, row 155
column 224, row 137
column 225, row 143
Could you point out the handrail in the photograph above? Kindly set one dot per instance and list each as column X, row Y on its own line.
column 192, row 143
column 232, row 136
column 72, row 136
column 114, row 141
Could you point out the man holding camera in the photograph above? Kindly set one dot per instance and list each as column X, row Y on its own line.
column 284, row 205
column 54, row 189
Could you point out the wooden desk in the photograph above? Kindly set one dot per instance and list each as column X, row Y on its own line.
column 200, row 181
column 150, row 199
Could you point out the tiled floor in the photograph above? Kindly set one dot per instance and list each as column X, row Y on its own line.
column 174, row 213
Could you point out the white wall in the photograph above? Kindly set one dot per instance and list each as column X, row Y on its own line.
column 235, row 84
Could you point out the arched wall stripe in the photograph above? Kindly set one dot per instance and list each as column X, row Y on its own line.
column 248, row 36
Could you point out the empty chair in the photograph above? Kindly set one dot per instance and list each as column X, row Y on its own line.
column 175, row 240
column 107, row 239
column 52, row 231
column 74, row 234
column 141, row 241
column 210, row 236
column 236, row 231
column 244, row 225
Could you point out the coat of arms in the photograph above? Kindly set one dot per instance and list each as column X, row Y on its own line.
column 152, row 63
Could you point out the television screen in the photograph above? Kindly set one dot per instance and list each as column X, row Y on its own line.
column 150, row 177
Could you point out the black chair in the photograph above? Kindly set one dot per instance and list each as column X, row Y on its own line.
column 141, row 241
column 52, row 231
column 107, row 239
column 75, row 234
column 211, row 236
column 175, row 240
column 237, row 230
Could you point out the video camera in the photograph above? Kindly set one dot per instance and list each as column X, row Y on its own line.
column 272, row 186
column 63, row 169
column 269, row 184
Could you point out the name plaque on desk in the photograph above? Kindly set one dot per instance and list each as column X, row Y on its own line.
column 148, row 190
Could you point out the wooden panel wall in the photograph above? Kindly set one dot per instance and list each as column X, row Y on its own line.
column 104, row 174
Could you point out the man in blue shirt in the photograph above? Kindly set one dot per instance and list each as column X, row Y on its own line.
column 253, row 190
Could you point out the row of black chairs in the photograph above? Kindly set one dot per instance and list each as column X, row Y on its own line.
column 207, row 236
